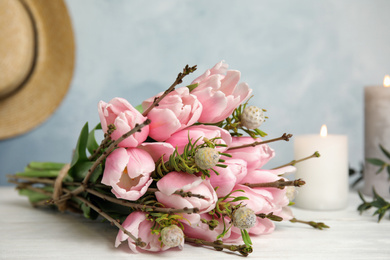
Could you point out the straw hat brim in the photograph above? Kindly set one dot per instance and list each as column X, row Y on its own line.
column 51, row 72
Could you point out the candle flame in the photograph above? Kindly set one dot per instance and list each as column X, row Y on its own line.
column 324, row 131
column 386, row 81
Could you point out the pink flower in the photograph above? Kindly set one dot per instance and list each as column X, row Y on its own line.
column 202, row 231
column 180, row 139
column 128, row 171
column 124, row 116
column 228, row 177
column 139, row 227
column 176, row 111
column 158, row 149
column 256, row 156
column 219, row 93
column 176, row 181
column 264, row 199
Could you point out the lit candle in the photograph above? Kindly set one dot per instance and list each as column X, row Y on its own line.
column 377, row 132
column 326, row 177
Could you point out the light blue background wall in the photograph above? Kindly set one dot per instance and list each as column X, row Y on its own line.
column 307, row 61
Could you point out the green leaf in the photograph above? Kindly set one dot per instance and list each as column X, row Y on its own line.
column 374, row 161
column 92, row 145
column 388, row 170
column 380, row 169
column 139, row 108
column 80, row 170
column 80, row 153
column 239, row 198
column 387, row 153
column 245, row 237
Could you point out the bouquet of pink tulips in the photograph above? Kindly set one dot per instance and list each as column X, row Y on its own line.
column 185, row 166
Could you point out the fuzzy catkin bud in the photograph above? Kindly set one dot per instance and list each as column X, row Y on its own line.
column 252, row 117
column 206, row 158
column 172, row 236
column 244, row 218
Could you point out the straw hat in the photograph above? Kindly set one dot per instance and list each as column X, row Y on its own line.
column 36, row 62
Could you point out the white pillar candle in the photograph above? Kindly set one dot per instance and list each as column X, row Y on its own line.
column 326, row 177
column 376, row 132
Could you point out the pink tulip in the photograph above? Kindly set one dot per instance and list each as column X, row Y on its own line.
column 180, row 139
column 202, row 231
column 219, row 92
column 264, row 199
column 124, row 116
column 139, row 227
column 176, row 181
column 175, row 112
column 256, row 157
column 128, row 171
column 158, row 149
column 228, row 177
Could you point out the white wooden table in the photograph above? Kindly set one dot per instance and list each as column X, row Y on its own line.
column 28, row 233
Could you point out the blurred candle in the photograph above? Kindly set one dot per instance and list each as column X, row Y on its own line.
column 376, row 132
column 326, row 177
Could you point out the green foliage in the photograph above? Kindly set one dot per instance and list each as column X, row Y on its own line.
column 92, row 145
column 245, row 237
column 377, row 202
column 378, row 162
column 185, row 162
column 80, row 162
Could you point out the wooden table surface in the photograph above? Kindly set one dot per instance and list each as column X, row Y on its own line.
column 28, row 233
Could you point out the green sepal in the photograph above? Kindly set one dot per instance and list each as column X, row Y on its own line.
column 239, row 198
column 192, row 86
column 139, row 108
column 92, row 144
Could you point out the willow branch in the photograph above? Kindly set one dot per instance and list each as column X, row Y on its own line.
column 219, row 245
column 137, row 241
column 285, row 137
column 280, row 184
column 317, row 225
column 181, row 193
column 316, row 154
column 187, row 70
column 141, row 206
column 112, row 147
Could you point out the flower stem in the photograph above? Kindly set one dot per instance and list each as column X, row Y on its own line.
column 219, row 245
column 285, row 137
column 137, row 241
column 187, row 70
column 101, row 158
column 316, row 154
column 280, row 184
column 142, row 207
column 317, row 225
column 181, row 193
